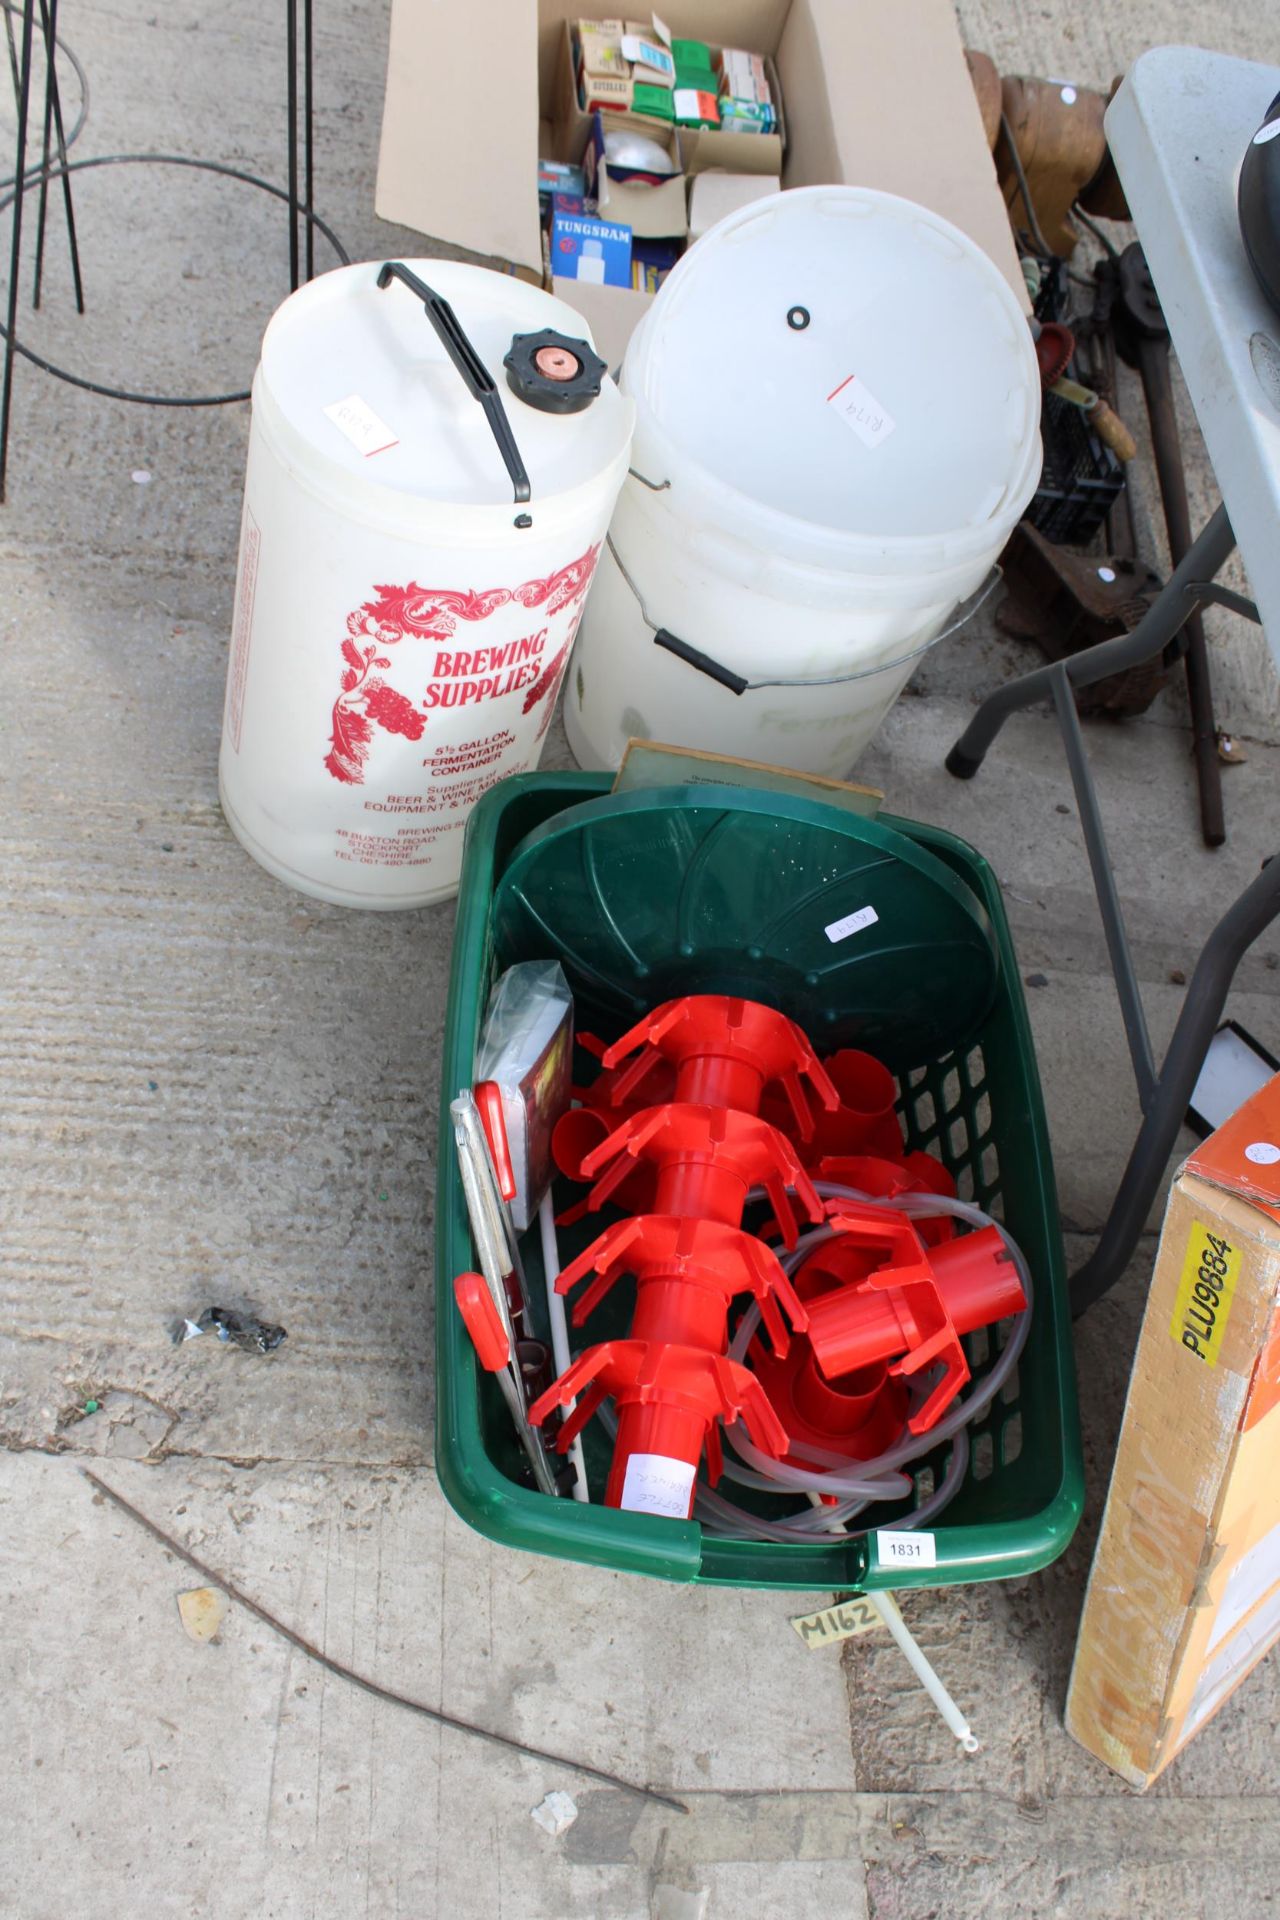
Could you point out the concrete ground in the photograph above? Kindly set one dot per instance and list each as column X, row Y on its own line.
column 217, row 1089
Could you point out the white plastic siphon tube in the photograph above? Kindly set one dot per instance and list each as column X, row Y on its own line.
column 559, row 1328
column 887, row 1607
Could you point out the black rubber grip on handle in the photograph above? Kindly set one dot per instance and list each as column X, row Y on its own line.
column 476, row 376
column 693, row 657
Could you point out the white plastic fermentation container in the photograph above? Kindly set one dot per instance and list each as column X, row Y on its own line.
column 402, row 622
column 837, row 428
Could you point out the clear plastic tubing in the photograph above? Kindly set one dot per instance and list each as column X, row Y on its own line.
column 867, row 1481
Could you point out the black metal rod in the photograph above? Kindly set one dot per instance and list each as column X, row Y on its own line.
column 43, row 207
column 1104, row 883
column 53, row 98
column 291, row 37
column 1201, row 1011
column 15, row 240
column 1206, row 555
column 60, row 130
column 308, row 140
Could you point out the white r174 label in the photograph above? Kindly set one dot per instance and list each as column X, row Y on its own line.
column 859, row 409
column 655, row 1484
column 906, row 1549
column 852, row 923
column 361, row 425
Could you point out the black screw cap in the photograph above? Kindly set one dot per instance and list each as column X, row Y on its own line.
column 550, row 371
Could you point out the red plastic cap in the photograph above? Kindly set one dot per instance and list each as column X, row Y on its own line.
column 483, row 1321
column 488, row 1098
column 978, row 1280
column 913, row 1304
column 574, row 1136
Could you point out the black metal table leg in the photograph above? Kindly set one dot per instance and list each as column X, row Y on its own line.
column 1104, row 885
column 1157, row 384
column 1206, row 554
column 1164, row 1096
column 15, row 238
column 1201, row 1011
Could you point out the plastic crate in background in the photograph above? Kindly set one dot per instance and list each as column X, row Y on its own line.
column 1080, row 478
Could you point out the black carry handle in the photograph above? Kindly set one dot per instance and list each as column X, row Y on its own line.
column 702, row 661
column 479, row 380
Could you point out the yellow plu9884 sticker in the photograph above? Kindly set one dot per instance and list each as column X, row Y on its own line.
column 1205, row 1292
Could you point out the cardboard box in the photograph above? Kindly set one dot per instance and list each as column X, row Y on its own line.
column 696, row 107
column 651, row 62
column 742, row 74
column 872, row 93
column 583, row 248
column 714, row 196
column 611, row 91
column 652, row 212
column 573, row 128
column 651, row 103
column 600, row 47
column 651, row 763
column 1184, row 1595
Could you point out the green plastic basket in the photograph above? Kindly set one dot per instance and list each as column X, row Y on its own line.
column 969, row 1092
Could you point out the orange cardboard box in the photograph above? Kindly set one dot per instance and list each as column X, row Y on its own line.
column 1184, row 1595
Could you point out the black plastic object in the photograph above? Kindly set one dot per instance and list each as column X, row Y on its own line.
column 243, row 1330
column 1258, row 204
column 1137, row 314
column 537, row 374
column 476, row 376
column 694, row 657
column 851, row 929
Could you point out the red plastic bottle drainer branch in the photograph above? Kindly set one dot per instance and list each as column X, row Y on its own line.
column 671, row 1380
column 698, row 1156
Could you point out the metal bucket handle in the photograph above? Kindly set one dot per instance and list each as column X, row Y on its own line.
column 476, row 376
column 738, row 684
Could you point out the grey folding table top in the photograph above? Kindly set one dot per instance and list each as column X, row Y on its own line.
column 1178, row 129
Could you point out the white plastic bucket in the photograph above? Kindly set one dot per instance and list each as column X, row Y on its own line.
column 402, row 622
column 837, row 428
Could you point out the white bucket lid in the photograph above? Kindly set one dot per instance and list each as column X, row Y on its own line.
column 847, row 364
column 341, row 338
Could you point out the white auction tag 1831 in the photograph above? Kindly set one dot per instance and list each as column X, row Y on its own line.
column 906, row 1549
